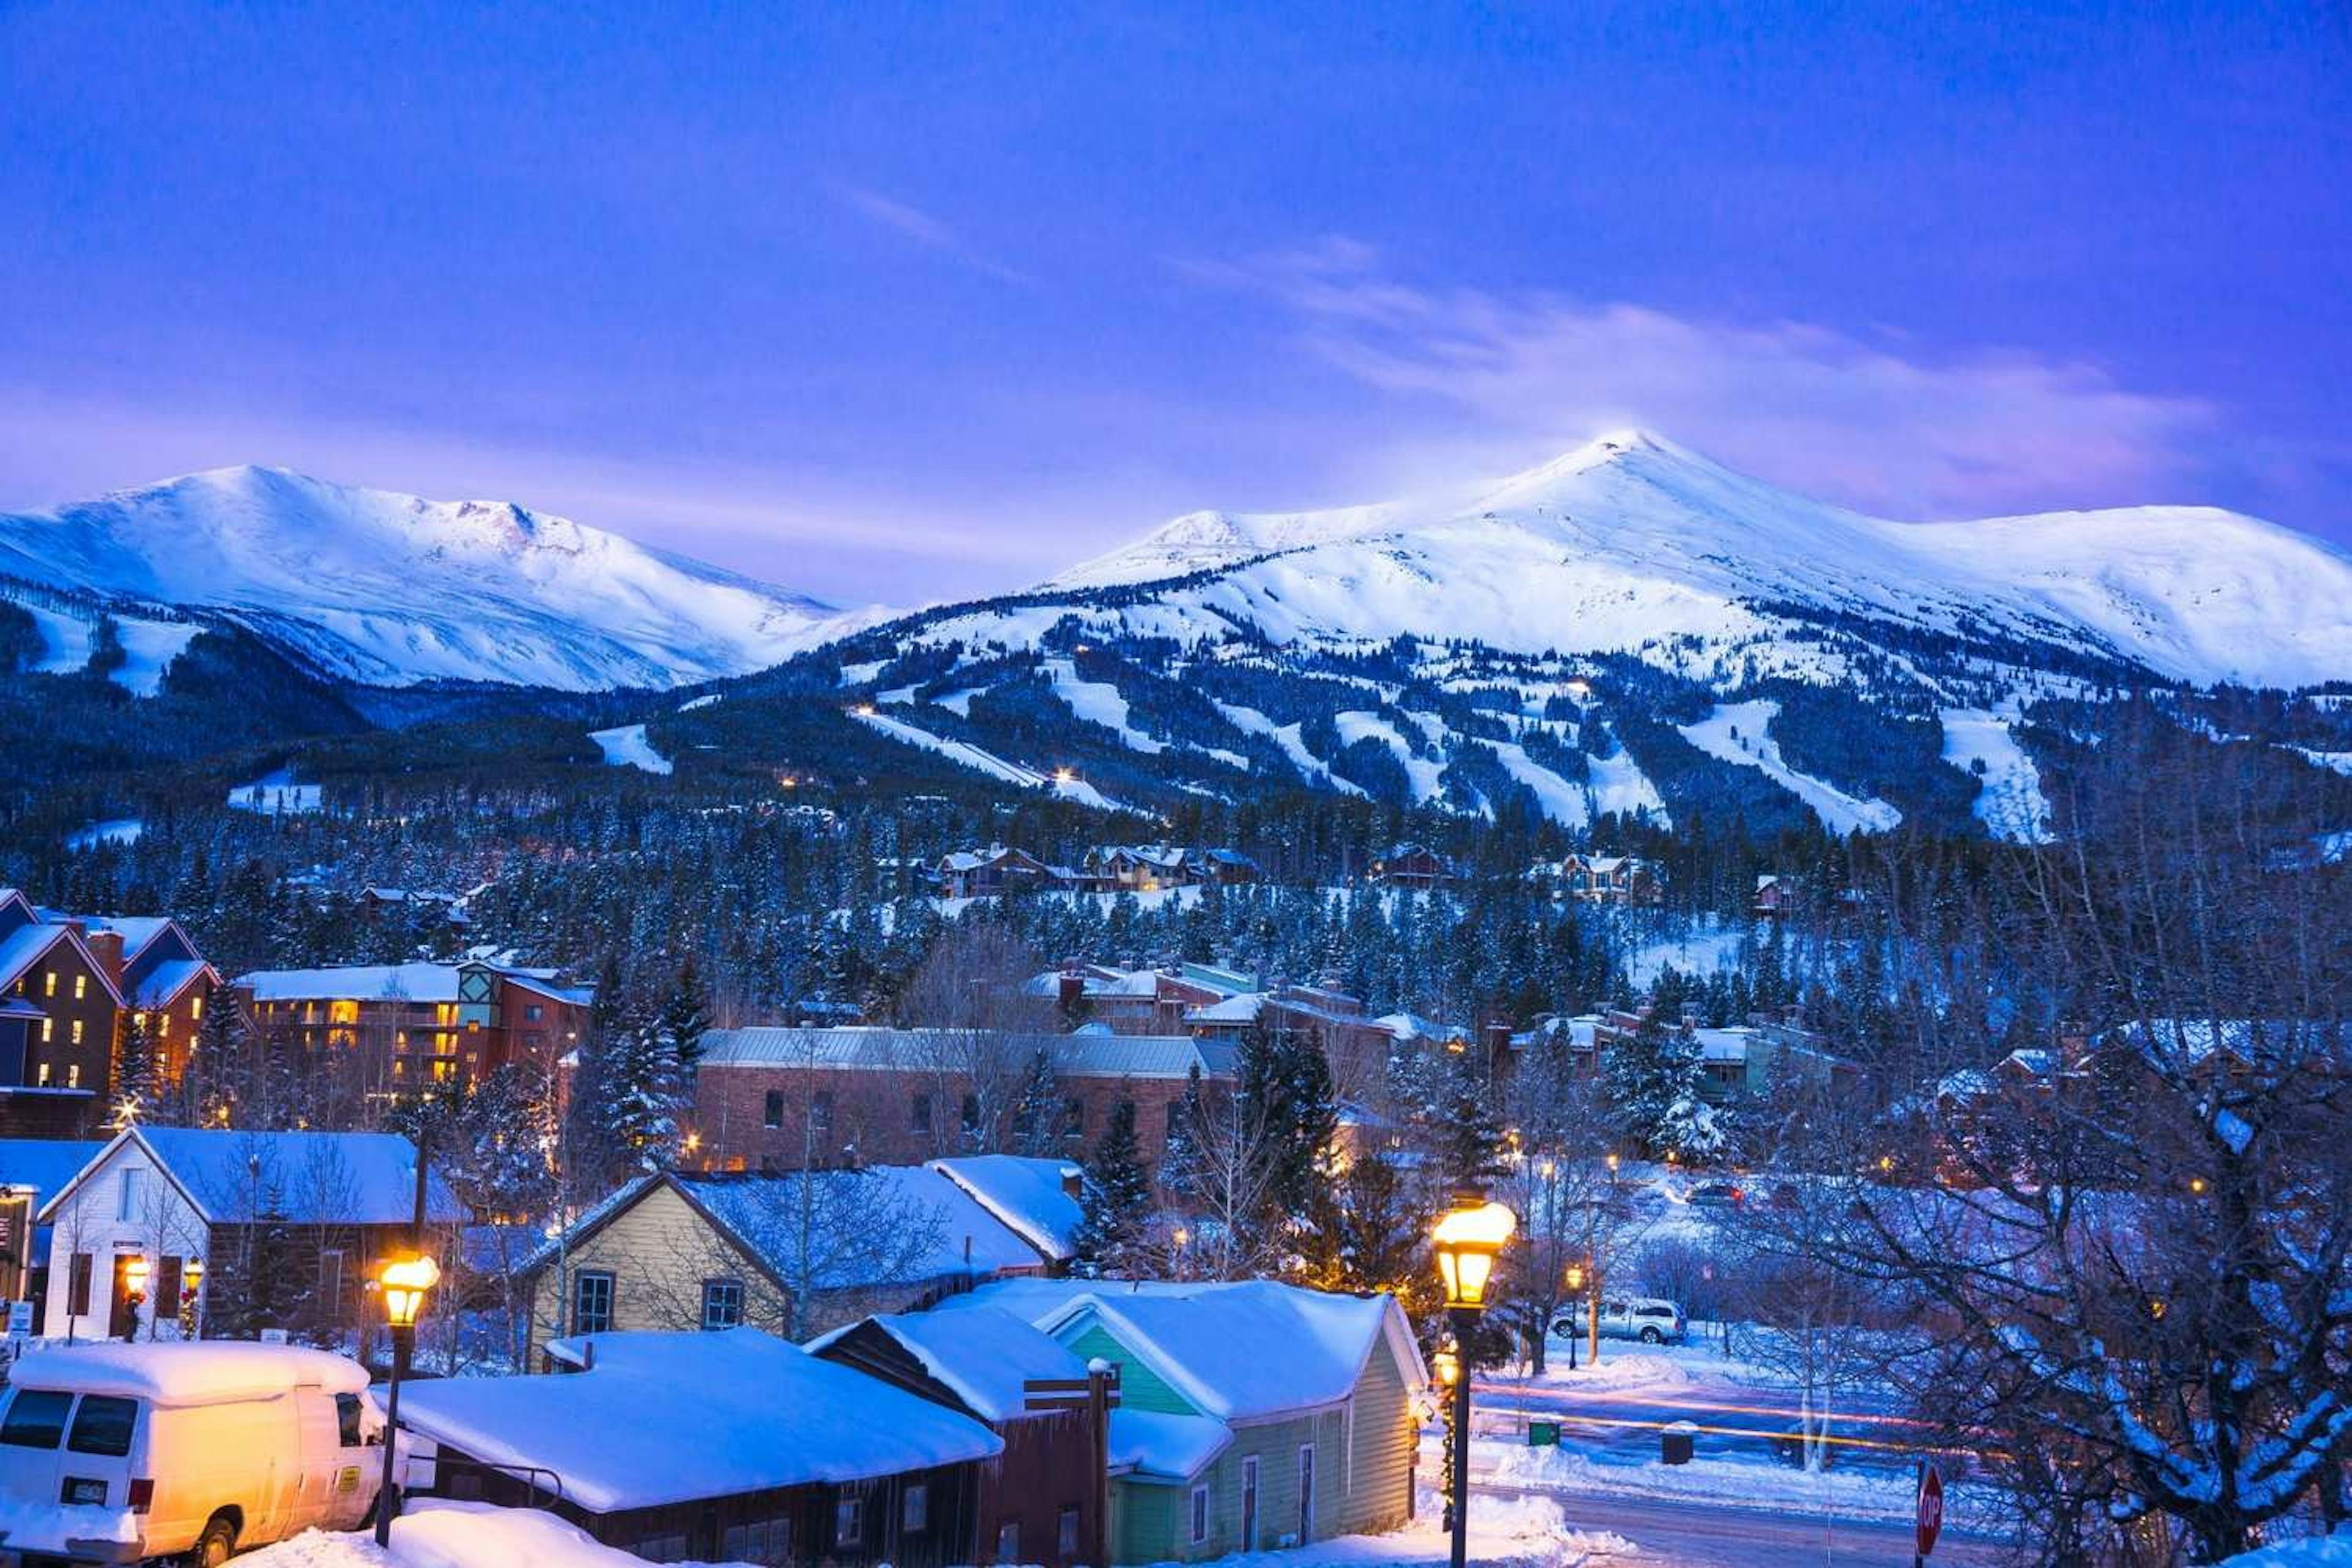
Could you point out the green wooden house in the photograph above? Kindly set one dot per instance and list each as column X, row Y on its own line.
column 1252, row 1415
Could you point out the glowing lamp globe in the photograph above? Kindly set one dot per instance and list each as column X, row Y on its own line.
column 135, row 1275
column 1468, row 1240
column 405, row 1283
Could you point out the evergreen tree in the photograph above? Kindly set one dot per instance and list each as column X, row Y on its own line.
column 1037, row 1110
column 1180, row 1159
column 1468, row 1133
column 138, row 1075
column 1283, row 1079
column 1117, row 1198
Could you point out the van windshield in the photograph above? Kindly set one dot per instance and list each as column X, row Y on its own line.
column 36, row 1418
column 103, row 1425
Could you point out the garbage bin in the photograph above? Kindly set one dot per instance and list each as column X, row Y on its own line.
column 1543, row 1434
column 1675, row 1441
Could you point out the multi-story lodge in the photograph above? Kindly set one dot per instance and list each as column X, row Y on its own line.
column 1136, row 1001
column 1610, row 879
column 424, row 1023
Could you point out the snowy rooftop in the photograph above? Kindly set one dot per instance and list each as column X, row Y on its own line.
column 1236, row 1352
column 672, row 1418
column 356, row 982
column 354, row 1178
column 43, row 1164
column 966, row 1239
column 864, row 1049
column 1158, row 1445
column 209, row 1371
column 984, row 1356
column 1030, row 1196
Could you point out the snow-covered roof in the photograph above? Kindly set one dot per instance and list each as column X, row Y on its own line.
column 234, row 1176
column 1156, row 1444
column 1412, row 1026
column 356, row 982
column 762, row 1212
column 1238, row 1351
column 206, row 1371
column 858, row 1048
column 164, row 981
column 1730, row 1044
column 28, row 945
column 675, row 1418
column 1030, row 1196
column 43, row 1165
column 985, row 1357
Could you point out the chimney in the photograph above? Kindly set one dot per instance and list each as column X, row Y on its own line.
column 106, row 946
column 1073, row 1181
column 1073, row 990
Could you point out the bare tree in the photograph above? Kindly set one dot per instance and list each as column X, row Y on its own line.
column 978, row 1023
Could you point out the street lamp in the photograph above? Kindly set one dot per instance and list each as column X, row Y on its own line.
column 406, row 1281
column 1575, row 1289
column 1467, row 1241
column 192, row 1281
column 136, row 1272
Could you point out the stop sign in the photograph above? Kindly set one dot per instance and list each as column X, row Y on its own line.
column 1931, row 1516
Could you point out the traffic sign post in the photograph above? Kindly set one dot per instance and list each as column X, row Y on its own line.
column 1929, row 1516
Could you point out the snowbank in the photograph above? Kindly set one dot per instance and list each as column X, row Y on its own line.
column 208, row 1371
column 433, row 1533
column 2312, row 1551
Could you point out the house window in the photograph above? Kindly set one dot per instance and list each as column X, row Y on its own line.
column 775, row 1114
column 768, row 1540
column 1008, row 1542
column 49, row 1028
column 1073, row 1117
column 76, row 1031
column 918, row 1113
column 592, row 1302
column 73, row 1075
column 1249, row 1503
column 821, row 1111
column 722, row 1303
column 196, row 1007
column 1199, row 1515
column 531, row 1012
column 44, row 1081
column 49, row 983
column 77, row 1286
column 1065, row 1535
column 849, row 1521
column 1305, row 1492
column 971, row 1114
column 914, row 1508
column 81, row 986
column 134, row 1185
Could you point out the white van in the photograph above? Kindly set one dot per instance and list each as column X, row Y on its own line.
column 114, row 1453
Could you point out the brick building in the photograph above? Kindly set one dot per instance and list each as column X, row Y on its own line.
column 59, row 1005
column 775, row 1098
column 417, row 1024
column 1135, row 1001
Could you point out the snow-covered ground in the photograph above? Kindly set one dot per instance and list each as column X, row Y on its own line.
column 1098, row 703
column 276, row 795
column 148, row 647
column 2010, row 805
column 434, row 1533
column 625, row 746
column 1736, row 732
column 2311, row 1551
column 981, row 760
column 113, row 830
column 1701, row 948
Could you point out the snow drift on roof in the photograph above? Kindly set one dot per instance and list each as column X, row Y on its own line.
column 672, row 1418
column 1029, row 1196
column 209, row 1371
column 985, row 1357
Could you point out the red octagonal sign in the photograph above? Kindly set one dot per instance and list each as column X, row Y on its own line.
column 1931, row 1509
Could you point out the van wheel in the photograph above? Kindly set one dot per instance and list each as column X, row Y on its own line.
column 1652, row 1337
column 217, row 1545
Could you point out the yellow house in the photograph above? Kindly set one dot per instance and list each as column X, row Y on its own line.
column 795, row 1253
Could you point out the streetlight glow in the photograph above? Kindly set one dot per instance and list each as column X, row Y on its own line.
column 135, row 1275
column 405, row 1282
column 1468, row 1241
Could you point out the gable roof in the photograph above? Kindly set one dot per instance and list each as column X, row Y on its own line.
column 26, row 946
column 1259, row 1350
column 674, row 1418
column 983, row 1357
column 232, row 1176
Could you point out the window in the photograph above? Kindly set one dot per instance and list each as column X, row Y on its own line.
column 1249, row 1503
column 49, row 983
column 914, row 1508
column 77, row 1286
column 73, row 1069
column 36, row 1418
column 918, row 1113
column 774, row 1116
column 592, row 1302
column 848, row 1521
column 196, row 1007
column 167, row 1288
column 347, row 1420
column 1008, row 1542
column 43, row 1082
column 531, row 1012
column 722, row 1303
column 1305, row 1492
column 1073, row 1117
column 81, row 986
column 821, row 1111
column 769, row 1540
column 103, row 1425
column 76, row 1031
column 1065, row 1535
column 1199, row 1515
column 48, row 1030
column 971, row 1114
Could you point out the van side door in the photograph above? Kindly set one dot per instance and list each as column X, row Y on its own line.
column 32, row 1434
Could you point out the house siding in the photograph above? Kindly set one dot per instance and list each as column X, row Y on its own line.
column 658, row 1250
column 1139, row 1388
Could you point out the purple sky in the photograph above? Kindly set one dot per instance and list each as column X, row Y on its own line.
column 887, row 306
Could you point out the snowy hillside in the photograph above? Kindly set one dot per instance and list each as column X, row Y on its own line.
column 1631, row 628
column 392, row 589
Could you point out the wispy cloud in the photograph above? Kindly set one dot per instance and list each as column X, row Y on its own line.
column 929, row 232
column 1870, row 422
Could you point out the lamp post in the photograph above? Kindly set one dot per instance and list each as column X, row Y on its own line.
column 1445, row 1366
column 1467, row 1241
column 1575, row 1289
column 405, row 1283
column 136, row 1272
column 192, row 1282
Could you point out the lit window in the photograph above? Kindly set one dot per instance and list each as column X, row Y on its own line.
column 48, row 1029
column 73, row 1075
column 49, row 983
column 44, row 1082
column 76, row 1031
column 163, row 1025
column 139, row 1019
column 81, row 986
column 196, row 1007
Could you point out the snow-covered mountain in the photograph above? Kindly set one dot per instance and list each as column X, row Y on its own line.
column 392, row 589
column 1631, row 628
column 1632, row 539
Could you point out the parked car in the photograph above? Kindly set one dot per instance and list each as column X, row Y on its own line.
column 1643, row 1318
column 1718, row 1194
column 116, row 1453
